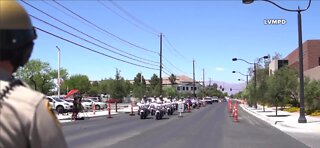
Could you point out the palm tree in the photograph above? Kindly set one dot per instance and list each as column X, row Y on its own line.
column 172, row 79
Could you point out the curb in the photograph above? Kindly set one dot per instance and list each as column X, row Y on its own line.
column 69, row 118
column 281, row 125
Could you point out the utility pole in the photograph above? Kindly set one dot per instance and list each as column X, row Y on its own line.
column 58, row 72
column 203, row 83
column 194, row 82
column 160, row 63
column 203, row 78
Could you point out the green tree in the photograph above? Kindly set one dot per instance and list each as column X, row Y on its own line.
column 249, row 94
column 215, row 85
column 80, row 82
column 172, row 79
column 139, row 86
column 262, row 86
column 128, row 87
column 104, row 86
column 281, row 86
column 170, row 91
column 118, row 87
column 154, row 87
column 312, row 95
column 94, row 89
column 37, row 74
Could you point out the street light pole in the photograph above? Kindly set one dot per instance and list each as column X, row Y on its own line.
column 255, row 75
column 59, row 79
column 255, row 84
column 243, row 75
column 302, row 118
column 247, row 79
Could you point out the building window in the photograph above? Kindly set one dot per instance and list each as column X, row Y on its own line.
column 178, row 88
column 319, row 61
column 195, row 88
column 191, row 88
column 183, row 88
column 187, row 88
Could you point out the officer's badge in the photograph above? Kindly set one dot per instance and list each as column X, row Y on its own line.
column 50, row 110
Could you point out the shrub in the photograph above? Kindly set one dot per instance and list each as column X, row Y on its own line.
column 316, row 113
column 309, row 111
column 292, row 109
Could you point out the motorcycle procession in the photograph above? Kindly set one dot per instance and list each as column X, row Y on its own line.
column 158, row 107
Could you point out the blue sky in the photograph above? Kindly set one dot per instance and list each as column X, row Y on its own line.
column 209, row 32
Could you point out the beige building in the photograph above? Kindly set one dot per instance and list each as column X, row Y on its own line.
column 313, row 73
column 275, row 65
column 184, row 84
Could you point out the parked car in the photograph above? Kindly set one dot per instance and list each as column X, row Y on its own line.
column 98, row 105
column 114, row 100
column 208, row 100
column 85, row 104
column 215, row 100
column 63, row 100
column 94, row 98
column 59, row 105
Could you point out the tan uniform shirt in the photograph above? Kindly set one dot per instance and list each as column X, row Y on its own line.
column 26, row 121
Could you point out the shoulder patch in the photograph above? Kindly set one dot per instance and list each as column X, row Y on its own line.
column 52, row 114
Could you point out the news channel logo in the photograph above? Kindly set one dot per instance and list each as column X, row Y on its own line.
column 274, row 21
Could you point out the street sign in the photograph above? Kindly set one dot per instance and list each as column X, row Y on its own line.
column 180, row 107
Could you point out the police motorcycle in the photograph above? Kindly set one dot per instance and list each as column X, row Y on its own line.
column 143, row 110
column 160, row 112
column 195, row 103
column 168, row 107
column 174, row 105
column 152, row 108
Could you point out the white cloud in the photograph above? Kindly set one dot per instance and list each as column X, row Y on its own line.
column 219, row 69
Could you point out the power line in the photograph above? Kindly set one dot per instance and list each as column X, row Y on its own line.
column 134, row 24
column 166, row 73
column 45, row 1
column 123, row 40
column 84, row 33
column 167, row 69
column 93, row 50
column 174, row 49
column 175, row 66
column 134, row 18
column 90, row 41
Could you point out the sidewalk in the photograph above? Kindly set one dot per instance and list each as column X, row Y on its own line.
column 285, row 121
column 98, row 113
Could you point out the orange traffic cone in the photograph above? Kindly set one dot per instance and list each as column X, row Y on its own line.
column 235, row 117
column 109, row 111
column 94, row 108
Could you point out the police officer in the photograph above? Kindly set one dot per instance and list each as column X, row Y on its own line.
column 144, row 99
column 26, row 120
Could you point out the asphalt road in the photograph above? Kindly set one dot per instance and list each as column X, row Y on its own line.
column 208, row 127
